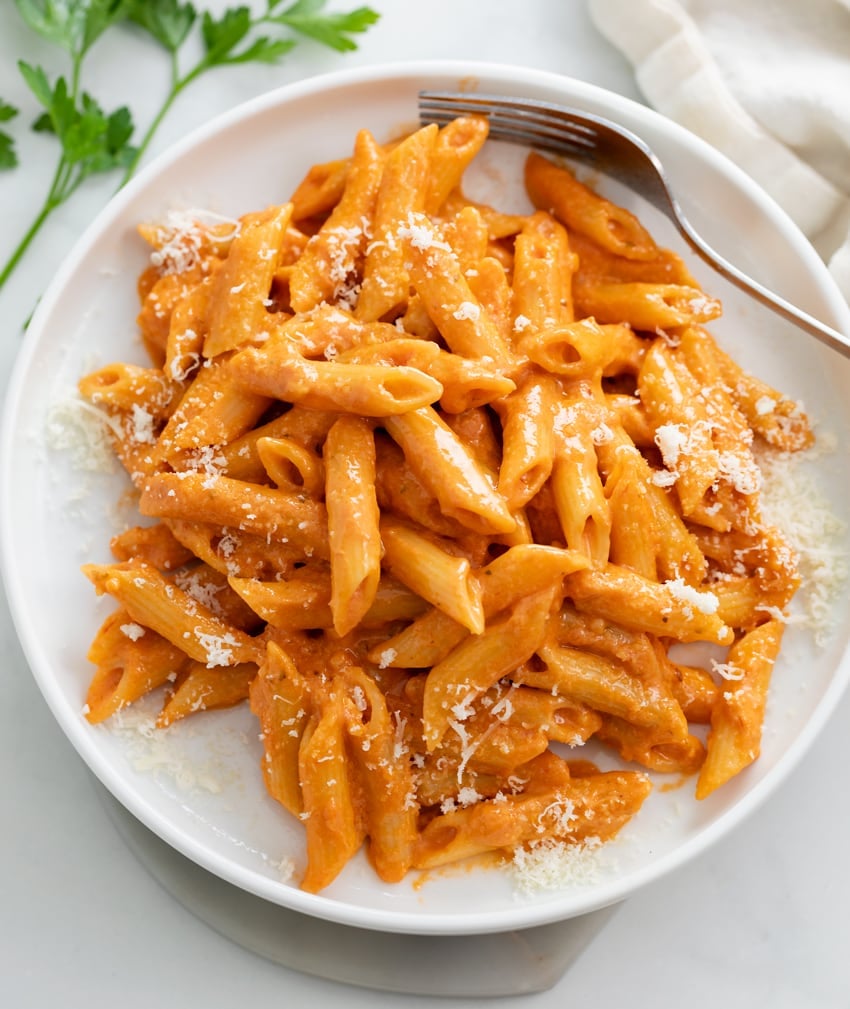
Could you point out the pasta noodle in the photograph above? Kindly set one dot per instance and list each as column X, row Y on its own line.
column 435, row 489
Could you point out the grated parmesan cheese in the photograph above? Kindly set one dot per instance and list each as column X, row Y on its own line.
column 791, row 500
column 80, row 432
column 201, row 590
column 219, row 648
column 705, row 602
column 740, row 471
column 285, row 869
column 421, row 235
column 557, row 816
column 671, row 440
column 664, row 478
column 141, row 426
column 133, row 631
column 164, row 752
column 556, row 865
column 181, row 236
column 468, row 796
column 467, row 310
column 602, row 434
column 727, row 670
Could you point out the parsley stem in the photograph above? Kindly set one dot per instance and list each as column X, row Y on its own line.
column 51, row 202
column 61, row 188
column 63, row 185
column 48, row 207
column 76, row 68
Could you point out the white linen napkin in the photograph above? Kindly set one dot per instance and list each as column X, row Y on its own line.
column 767, row 82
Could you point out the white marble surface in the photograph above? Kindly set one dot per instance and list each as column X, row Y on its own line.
column 761, row 920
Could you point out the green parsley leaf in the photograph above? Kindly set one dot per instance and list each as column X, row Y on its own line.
column 168, row 21
column 110, row 135
column 73, row 24
column 7, row 111
column 37, row 82
column 91, row 141
column 222, row 35
column 43, row 124
column 8, row 155
column 60, row 110
column 262, row 50
column 333, row 30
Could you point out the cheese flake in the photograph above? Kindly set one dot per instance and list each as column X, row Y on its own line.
column 549, row 864
column 132, row 631
column 219, row 647
column 705, row 602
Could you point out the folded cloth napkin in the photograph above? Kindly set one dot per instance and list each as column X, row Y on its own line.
column 765, row 81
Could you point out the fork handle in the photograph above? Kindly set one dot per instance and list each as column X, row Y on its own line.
column 831, row 337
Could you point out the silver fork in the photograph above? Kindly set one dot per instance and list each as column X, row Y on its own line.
column 617, row 152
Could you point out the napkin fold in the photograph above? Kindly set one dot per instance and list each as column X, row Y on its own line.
column 767, row 82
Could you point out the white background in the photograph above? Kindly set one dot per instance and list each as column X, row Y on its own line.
column 761, row 920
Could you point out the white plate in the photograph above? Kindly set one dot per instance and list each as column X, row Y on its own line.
column 199, row 787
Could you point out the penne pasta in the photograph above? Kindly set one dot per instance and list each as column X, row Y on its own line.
column 446, row 581
column 454, row 149
column 390, row 813
column 481, row 660
column 439, row 491
column 543, row 275
column 597, row 806
column 155, row 545
column 231, row 551
column 198, row 688
column 734, row 739
column 324, row 270
column 551, row 186
column 444, row 466
column 292, row 466
column 604, row 685
column 667, row 609
column 372, row 391
column 354, row 535
column 280, row 699
column 275, row 514
column 161, row 606
column 332, row 821
column 577, row 489
column 236, row 313
column 131, row 661
column 528, row 438
column 437, row 277
column 403, row 189
column 644, row 306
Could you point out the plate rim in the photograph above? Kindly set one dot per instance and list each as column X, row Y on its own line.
column 317, row 905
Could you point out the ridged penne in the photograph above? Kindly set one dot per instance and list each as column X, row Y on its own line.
column 443, row 493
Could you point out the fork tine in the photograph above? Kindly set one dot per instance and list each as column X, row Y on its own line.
column 557, row 141
column 515, row 120
column 446, row 105
column 582, row 135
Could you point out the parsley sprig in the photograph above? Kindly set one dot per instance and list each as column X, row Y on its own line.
column 94, row 141
column 90, row 140
column 238, row 36
column 8, row 155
